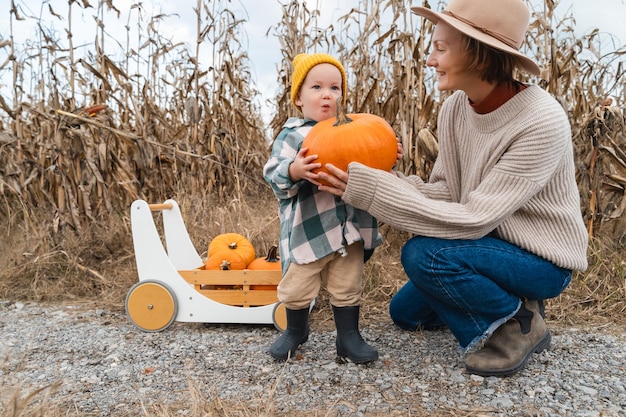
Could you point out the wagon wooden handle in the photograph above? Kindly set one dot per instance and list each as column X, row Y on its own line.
column 162, row 206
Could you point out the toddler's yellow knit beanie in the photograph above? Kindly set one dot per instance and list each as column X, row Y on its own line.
column 303, row 63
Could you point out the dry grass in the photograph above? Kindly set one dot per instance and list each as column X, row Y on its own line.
column 100, row 265
column 173, row 129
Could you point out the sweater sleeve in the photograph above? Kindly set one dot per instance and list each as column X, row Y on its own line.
column 437, row 186
column 527, row 159
column 399, row 203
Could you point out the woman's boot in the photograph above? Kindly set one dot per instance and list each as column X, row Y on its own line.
column 508, row 349
column 296, row 334
column 350, row 344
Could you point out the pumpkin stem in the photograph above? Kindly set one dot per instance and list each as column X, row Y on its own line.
column 232, row 245
column 225, row 265
column 342, row 117
column 272, row 255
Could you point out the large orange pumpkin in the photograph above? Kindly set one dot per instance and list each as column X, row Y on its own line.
column 234, row 242
column 361, row 137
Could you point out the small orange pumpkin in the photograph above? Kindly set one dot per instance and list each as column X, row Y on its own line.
column 269, row 263
column 362, row 137
column 225, row 260
column 233, row 242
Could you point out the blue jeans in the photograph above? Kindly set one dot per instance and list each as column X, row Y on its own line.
column 471, row 286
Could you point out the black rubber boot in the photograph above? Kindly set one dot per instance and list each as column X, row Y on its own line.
column 296, row 334
column 350, row 344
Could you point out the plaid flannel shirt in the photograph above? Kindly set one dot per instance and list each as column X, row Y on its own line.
column 313, row 224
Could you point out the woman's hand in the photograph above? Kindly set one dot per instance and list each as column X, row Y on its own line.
column 338, row 179
column 302, row 167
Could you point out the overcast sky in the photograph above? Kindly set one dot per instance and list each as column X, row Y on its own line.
column 264, row 51
column 607, row 15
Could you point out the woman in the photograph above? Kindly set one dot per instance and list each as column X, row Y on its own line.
column 498, row 225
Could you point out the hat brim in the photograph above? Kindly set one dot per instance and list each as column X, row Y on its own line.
column 523, row 61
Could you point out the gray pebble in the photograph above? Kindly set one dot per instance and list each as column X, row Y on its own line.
column 107, row 366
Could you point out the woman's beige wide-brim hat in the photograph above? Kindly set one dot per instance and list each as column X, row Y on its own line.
column 501, row 24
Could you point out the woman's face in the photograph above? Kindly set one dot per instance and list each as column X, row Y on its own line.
column 319, row 92
column 449, row 59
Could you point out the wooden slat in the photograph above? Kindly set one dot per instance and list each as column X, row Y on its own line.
column 240, row 297
column 242, row 277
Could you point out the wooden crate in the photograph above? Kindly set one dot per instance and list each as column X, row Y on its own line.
column 244, row 288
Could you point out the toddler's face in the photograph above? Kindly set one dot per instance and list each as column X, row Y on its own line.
column 319, row 92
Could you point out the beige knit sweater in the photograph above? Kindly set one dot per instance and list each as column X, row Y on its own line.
column 510, row 172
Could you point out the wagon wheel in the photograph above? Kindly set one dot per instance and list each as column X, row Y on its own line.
column 279, row 317
column 151, row 306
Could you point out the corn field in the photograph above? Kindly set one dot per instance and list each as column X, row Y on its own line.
column 92, row 134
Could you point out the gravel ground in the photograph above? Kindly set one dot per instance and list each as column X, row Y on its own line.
column 108, row 367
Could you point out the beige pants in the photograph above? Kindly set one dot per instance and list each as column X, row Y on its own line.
column 343, row 277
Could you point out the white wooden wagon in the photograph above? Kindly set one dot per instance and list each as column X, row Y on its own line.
column 174, row 286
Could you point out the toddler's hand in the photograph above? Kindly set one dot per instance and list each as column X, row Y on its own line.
column 302, row 167
column 400, row 152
